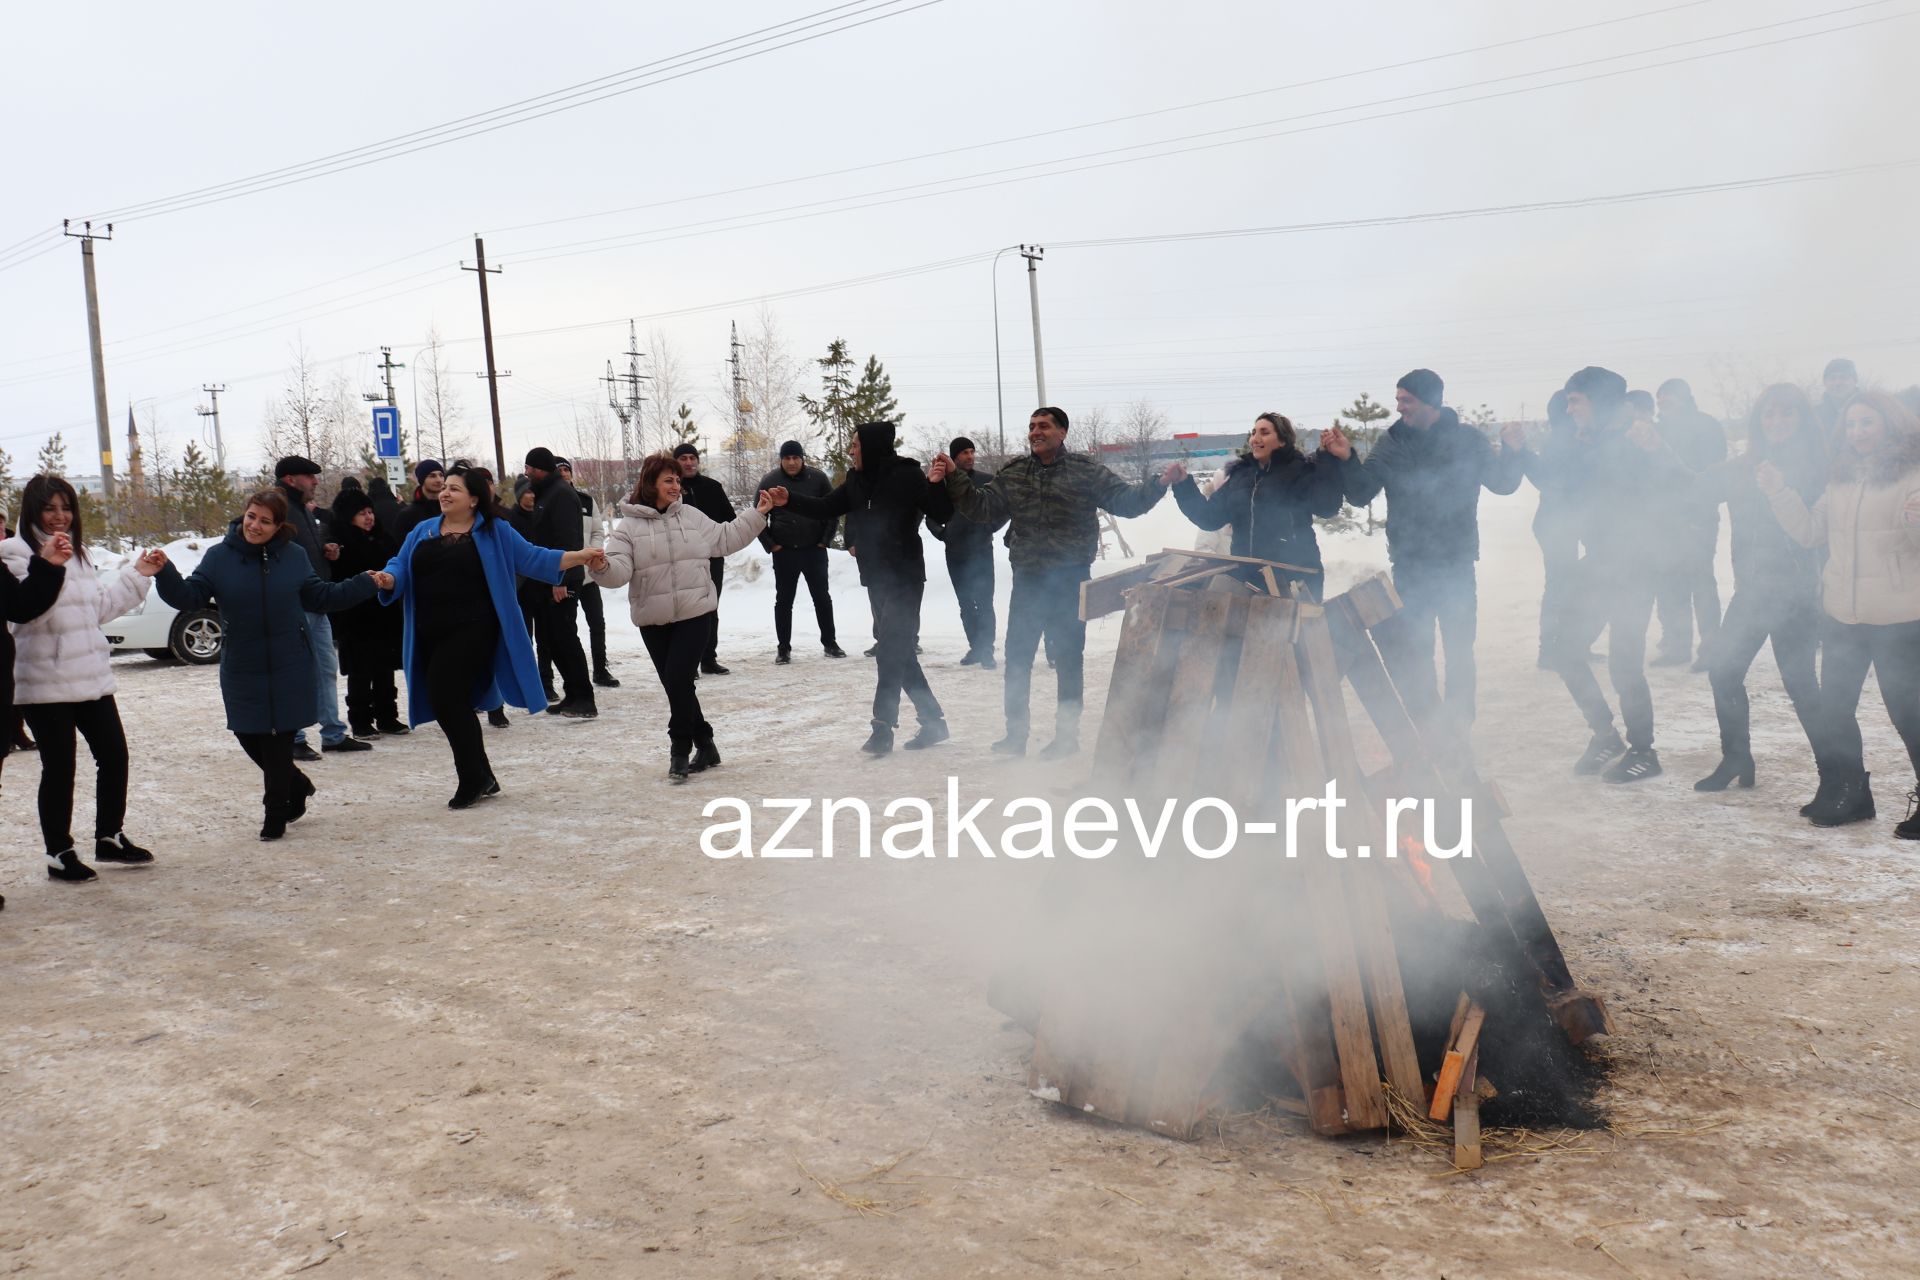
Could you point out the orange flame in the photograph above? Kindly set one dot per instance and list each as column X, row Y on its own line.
column 1415, row 854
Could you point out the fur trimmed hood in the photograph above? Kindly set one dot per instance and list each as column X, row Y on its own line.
column 1898, row 455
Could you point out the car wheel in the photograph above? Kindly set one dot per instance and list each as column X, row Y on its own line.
column 196, row 637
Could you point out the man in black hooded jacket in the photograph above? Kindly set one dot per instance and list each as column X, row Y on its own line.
column 883, row 499
column 709, row 497
column 556, row 523
column 799, row 548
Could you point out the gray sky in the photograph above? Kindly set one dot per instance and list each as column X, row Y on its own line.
column 1729, row 289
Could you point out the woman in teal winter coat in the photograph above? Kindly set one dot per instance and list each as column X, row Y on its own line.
column 265, row 586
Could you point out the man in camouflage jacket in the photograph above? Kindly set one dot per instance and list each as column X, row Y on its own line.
column 1053, row 499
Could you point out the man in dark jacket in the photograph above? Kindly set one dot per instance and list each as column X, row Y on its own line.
column 591, row 604
column 883, row 499
column 799, row 547
column 970, row 562
column 429, row 478
column 707, row 496
column 1688, row 589
column 296, row 478
column 1631, row 475
column 1053, row 499
column 556, row 523
column 1432, row 469
column 386, row 508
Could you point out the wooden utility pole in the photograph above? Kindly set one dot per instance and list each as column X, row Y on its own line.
column 87, row 235
column 213, row 391
column 486, row 331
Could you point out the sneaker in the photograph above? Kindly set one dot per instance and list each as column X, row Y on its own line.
column 304, row 753
column 1602, row 749
column 1637, row 764
column 783, row 657
column 117, row 848
column 1060, row 748
column 66, row 865
column 362, row 731
column 393, row 728
column 1010, row 746
column 605, row 679
column 575, row 709
column 930, row 732
column 345, row 745
column 986, row 662
column 833, row 650
column 498, row 718
column 712, row 668
column 970, row 658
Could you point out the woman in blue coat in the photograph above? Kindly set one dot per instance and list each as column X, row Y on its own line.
column 466, row 647
column 265, row 587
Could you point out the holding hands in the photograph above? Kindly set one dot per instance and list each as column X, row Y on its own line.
column 1643, row 434
column 771, row 498
column 381, row 579
column 597, row 560
column 1176, row 472
column 1334, row 441
column 149, row 563
column 1768, row 478
column 941, row 468
column 1513, row 436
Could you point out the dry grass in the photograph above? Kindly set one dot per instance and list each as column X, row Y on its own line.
column 864, row 1205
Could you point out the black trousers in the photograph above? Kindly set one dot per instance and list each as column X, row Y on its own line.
column 1620, row 603
column 55, row 724
column 790, row 565
column 453, row 662
column 972, row 575
column 1688, row 591
column 896, row 632
column 718, row 568
column 676, row 649
column 1755, row 616
column 1847, row 650
column 1560, row 555
column 1046, row 602
column 556, row 626
column 371, row 698
column 595, row 610
column 1440, row 596
column 273, row 752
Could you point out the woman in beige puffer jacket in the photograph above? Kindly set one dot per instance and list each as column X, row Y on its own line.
column 658, row 550
column 1869, row 522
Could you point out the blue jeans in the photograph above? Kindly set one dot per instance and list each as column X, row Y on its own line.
column 326, row 674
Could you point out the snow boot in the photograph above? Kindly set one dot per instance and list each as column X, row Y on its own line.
column 1732, row 765
column 931, row 731
column 1851, row 801
column 1638, row 764
column 117, row 848
column 66, row 865
column 705, row 755
column 678, row 765
column 1822, row 794
column 880, row 741
column 1603, row 748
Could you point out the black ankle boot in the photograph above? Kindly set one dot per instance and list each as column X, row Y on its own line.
column 1909, row 828
column 705, row 755
column 303, row 790
column 931, row 732
column 275, row 826
column 1602, row 748
column 117, row 848
column 678, row 765
column 1851, row 801
column 880, row 741
column 1732, row 766
column 1822, row 794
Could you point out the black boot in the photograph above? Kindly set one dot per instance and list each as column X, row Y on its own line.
column 705, row 755
column 303, row 790
column 498, row 718
column 1822, row 794
column 880, row 741
column 1014, row 744
column 1909, row 828
column 66, row 865
column 392, row 727
column 678, row 765
column 1851, row 801
column 833, row 650
column 1735, row 764
column 1638, row 763
column 931, row 731
column 276, row 824
column 1603, row 747
column 605, row 678
column 783, row 656
column 117, row 848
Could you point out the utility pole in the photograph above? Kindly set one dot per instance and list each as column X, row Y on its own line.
column 740, row 409
column 87, row 235
column 396, row 467
column 213, row 391
column 486, row 332
column 629, row 412
column 1033, row 253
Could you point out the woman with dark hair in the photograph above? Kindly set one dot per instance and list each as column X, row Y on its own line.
column 265, row 587
column 63, row 679
column 366, row 635
column 1869, row 522
column 1269, row 496
column 659, row 550
column 1776, row 581
column 465, row 646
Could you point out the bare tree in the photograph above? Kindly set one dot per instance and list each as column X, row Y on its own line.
column 1143, row 428
column 311, row 414
column 1092, row 431
column 442, row 430
column 668, row 390
column 770, row 381
column 597, row 465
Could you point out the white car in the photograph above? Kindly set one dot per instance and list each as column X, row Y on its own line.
column 156, row 628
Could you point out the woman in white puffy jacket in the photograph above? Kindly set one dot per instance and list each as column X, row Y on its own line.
column 63, row 681
column 659, row 550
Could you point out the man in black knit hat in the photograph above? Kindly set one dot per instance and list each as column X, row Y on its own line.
column 707, row 496
column 591, row 604
column 970, row 561
column 1432, row 468
column 555, row 523
column 799, row 547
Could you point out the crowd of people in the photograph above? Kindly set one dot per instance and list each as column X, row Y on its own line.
column 477, row 603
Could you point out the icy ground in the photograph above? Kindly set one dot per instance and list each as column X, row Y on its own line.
column 549, row 1038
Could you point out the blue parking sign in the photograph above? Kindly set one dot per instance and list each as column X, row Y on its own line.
column 386, row 431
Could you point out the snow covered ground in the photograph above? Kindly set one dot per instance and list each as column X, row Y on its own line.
column 548, row 1037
